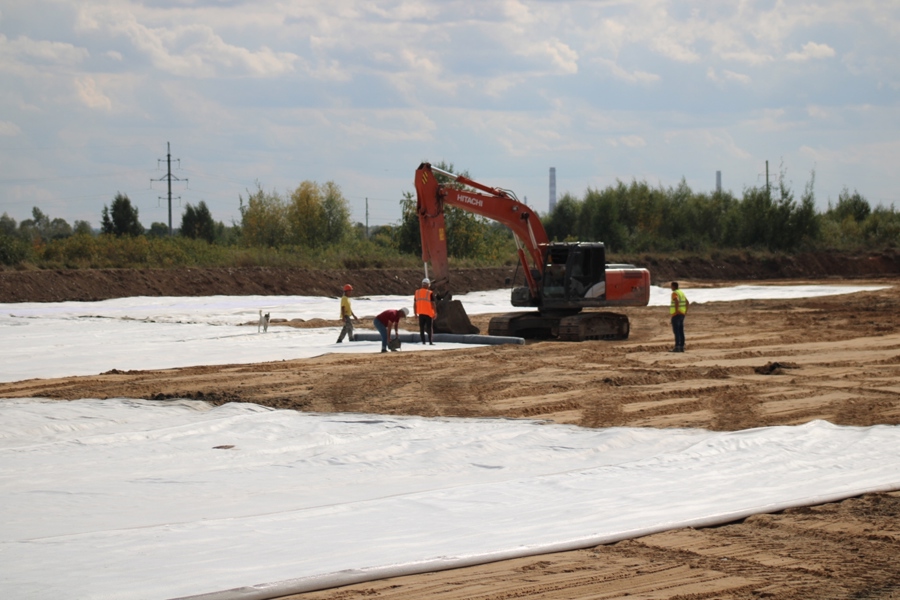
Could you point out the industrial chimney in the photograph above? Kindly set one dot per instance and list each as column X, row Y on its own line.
column 552, row 188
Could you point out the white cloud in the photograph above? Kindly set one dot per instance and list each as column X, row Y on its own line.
column 189, row 50
column 811, row 50
column 90, row 94
column 637, row 76
column 728, row 76
column 719, row 140
column 8, row 128
column 560, row 55
column 632, row 141
column 24, row 50
column 816, row 112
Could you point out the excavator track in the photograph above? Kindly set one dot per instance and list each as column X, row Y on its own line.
column 594, row 326
column 575, row 328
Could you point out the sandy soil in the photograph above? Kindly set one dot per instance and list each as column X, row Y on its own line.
column 748, row 364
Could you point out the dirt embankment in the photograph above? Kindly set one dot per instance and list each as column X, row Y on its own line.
column 101, row 284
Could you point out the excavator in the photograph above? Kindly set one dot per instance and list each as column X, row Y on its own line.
column 564, row 281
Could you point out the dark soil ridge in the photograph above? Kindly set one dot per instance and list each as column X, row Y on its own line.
column 101, row 284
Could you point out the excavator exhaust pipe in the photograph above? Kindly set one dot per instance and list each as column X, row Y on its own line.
column 452, row 318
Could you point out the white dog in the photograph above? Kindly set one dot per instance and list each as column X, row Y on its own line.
column 263, row 322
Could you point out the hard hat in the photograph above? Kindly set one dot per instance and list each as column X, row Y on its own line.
column 426, row 282
column 348, row 288
column 405, row 311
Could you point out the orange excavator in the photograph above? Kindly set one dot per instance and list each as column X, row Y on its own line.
column 564, row 281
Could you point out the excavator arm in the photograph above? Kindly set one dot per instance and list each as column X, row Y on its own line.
column 492, row 203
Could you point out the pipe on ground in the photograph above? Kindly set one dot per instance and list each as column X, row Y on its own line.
column 447, row 338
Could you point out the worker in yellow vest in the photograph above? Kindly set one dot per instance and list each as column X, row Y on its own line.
column 425, row 310
column 346, row 313
column 677, row 310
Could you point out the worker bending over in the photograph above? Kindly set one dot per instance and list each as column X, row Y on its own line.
column 425, row 310
column 383, row 324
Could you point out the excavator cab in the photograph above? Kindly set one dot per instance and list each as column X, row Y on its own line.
column 574, row 276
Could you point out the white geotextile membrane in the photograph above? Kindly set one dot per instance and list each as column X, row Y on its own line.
column 122, row 499
column 58, row 339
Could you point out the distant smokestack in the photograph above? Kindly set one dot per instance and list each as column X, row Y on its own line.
column 718, row 181
column 552, row 188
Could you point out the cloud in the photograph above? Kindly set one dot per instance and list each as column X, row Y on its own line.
column 707, row 138
column 728, row 76
column 642, row 77
column 8, row 128
column 561, row 56
column 816, row 112
column 191, row 50
column 90, row 95
column 24, row 50
column 811, row 51
column 632, row 141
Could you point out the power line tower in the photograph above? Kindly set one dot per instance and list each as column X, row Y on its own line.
column 169, row 178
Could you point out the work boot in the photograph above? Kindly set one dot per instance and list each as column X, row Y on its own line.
column 383, row 350
column 339, row 341
column 679, row 348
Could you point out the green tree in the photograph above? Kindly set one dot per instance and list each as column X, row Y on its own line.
column 82, row 228
column 560, row 224
column 158, row 230
column 263, row 219
column 7, row 225
column 853, row 206
column 335, row 214
column 121, row 219
column 197, row 223
column 407, row 234
column 318, row 215
column 305, row 216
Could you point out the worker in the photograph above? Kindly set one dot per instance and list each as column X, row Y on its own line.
column 346, row 314
column 383, row 324
column 677, row 309
column 424, row 309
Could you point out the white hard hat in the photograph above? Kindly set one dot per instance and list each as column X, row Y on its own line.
column 405, row 311
column 426, row 281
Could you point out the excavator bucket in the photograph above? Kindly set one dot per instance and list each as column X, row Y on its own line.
column 452, row 318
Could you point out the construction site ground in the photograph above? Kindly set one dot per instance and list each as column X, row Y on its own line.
column 752, row 363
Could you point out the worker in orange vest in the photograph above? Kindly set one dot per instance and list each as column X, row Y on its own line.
column 424, row 309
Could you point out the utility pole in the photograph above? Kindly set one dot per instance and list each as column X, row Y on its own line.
column 768, row 192
column 367, row 218
column 169, row 178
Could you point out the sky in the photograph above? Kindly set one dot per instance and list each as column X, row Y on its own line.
column 272, row 93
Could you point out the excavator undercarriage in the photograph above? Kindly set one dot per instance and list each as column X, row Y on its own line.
column 571, row 328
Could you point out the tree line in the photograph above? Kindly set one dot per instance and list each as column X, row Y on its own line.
column 636, row 217
column 311, row 226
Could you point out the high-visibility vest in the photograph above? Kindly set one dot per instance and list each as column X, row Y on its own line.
column 423, row 302
column 679, row 303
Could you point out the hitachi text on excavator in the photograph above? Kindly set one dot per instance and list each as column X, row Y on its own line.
column 565, row 282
